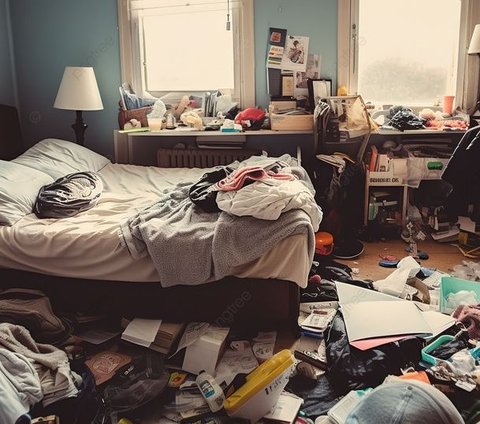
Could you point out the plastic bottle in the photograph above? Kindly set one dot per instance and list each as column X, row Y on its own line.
column 210, row 390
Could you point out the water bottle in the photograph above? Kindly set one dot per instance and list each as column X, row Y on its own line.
column 211, row 391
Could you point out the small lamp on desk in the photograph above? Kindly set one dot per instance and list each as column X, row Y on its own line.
column 79, row 92
column 474, row 48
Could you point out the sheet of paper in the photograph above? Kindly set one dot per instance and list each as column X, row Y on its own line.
column 383, row 318
column 142, row 331
column 438, row 322
column 348, row 293
column 286, row 408
column 312, row 72
column 235, row 362
column 371, row 343
column 97, row 335
column 193, row 331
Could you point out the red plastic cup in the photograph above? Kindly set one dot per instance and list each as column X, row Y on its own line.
column 448, row 104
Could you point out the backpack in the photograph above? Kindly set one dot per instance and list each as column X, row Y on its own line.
column 32, row 309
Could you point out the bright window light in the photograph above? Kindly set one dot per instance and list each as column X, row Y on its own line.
column 188, row 51
column 407, row 50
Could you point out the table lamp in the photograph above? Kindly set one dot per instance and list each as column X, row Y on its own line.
column 474, row 48
column 78, row 91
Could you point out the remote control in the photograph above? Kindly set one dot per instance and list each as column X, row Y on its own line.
column 311, row 357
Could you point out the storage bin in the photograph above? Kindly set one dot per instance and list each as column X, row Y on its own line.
column 262, row 389
column 291, row 122
column 426, row 357
column 450, row 285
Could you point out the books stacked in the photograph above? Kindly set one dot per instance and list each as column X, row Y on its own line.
column 167, row 337
column 162, row 336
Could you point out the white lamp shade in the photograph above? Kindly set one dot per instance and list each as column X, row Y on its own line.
column 78, row 90
column 474, row 47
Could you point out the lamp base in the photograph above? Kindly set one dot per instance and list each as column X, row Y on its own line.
column 79, row 128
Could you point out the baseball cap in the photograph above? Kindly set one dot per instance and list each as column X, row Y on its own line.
column 405, row 402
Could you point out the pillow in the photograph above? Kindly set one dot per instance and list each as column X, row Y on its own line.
column 58, row 158
column 19, row 186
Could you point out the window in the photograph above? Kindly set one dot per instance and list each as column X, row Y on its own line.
column 403, row 52
column 179, row 46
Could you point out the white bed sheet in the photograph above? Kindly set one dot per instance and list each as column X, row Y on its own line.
column 88, row 246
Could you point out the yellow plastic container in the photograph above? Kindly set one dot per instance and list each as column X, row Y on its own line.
column 262, row 389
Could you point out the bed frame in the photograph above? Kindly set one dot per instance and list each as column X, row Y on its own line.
column 237, row 302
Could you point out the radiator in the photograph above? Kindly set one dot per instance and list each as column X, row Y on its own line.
column 200, row 158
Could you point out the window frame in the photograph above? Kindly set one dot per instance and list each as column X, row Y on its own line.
column 347, row 71
column 132, row 54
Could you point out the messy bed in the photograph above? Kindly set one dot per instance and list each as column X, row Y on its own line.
column 175, row 259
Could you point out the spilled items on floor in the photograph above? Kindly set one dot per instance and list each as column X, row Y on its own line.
column 417, row 330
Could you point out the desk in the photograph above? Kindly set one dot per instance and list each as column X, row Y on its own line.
column 140, row 148
column 419, row 137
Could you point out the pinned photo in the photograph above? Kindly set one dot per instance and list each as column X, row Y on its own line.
column 296, row 53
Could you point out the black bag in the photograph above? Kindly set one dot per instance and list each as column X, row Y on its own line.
column 133, row 386
column 68, row 195
column 353, row 369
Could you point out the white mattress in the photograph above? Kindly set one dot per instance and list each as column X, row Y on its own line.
column 87, row 245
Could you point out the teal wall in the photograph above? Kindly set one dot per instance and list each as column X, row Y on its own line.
column 51, row 34
column 7, row 92
column 316, row 19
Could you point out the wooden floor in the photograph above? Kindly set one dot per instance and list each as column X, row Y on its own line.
column 442, row 256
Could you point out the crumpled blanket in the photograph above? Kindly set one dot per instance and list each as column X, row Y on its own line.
column 50, row 363
column 190, row 246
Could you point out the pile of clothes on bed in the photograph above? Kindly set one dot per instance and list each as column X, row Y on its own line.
column 230, row 217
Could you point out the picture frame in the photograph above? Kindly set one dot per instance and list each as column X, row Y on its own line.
column 318, row 88
column 287, row 85
column 277, row 36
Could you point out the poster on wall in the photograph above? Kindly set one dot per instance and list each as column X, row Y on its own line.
column 296, row 53
column 312, row 72
column 276, row 49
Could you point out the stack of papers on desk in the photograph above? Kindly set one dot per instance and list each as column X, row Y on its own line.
column 373, row 318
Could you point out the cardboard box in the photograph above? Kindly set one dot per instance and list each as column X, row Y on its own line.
column 291, row 122
column 204, row 353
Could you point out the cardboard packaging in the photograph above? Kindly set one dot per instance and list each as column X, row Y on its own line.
column 291, row 122
column 204, row 353
column 291, row 119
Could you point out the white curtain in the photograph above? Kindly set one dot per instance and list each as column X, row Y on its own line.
column 471, row 74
